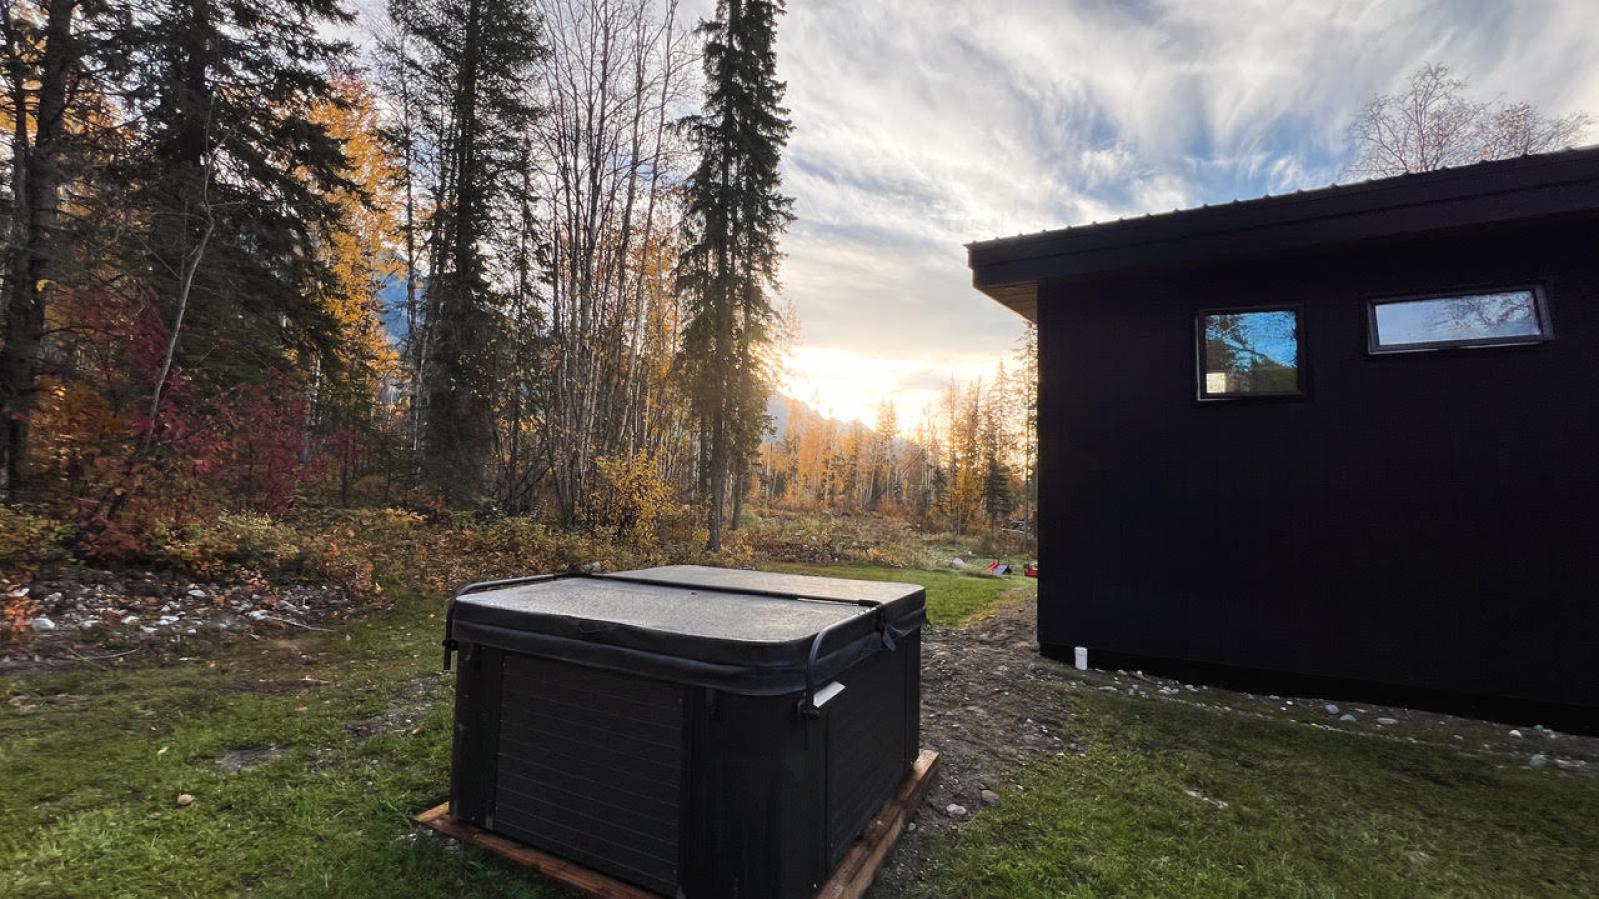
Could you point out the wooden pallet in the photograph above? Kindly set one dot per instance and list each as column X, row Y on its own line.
column 848, row 881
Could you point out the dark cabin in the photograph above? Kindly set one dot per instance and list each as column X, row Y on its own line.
column 1344, row 441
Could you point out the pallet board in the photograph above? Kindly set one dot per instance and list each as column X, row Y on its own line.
column 849, row 880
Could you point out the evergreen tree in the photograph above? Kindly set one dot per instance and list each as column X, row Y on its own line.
column 474, row 58
column 44, row 65
column 230, row 176
column 736, row 214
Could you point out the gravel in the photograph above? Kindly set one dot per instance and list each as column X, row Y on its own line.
column 80, row 611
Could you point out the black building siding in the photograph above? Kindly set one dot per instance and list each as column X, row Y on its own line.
column 1425, row 520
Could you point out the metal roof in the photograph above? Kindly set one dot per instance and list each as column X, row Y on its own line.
column 1010, row 269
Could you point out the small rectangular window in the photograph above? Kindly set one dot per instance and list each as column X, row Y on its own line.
column 1249, row 353
column 1457, row 320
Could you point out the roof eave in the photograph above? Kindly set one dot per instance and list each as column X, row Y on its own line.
column 1010, row 269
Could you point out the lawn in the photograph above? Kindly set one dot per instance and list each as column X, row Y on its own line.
column 343, row 736
column 1175, row 800
column 952, row 596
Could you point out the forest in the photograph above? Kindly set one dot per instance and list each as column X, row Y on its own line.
column 493, row 258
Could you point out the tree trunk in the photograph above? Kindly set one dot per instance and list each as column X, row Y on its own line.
column 740, row 486
column 36, row 209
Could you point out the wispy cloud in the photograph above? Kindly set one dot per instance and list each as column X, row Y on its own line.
column 923, row 124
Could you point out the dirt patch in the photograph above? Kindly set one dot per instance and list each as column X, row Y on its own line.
column 404, row 714
column 991, row 704
column 246, row 757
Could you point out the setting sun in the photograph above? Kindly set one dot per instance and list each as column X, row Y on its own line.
column 845, row 385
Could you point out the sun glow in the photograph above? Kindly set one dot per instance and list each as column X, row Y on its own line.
column 845, row 384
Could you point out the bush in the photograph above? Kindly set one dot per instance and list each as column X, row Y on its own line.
column 28, row 539
column 234, row 542
column 631, row 498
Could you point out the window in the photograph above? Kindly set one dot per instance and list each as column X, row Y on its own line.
column 1249, row 353
column 1457, row 320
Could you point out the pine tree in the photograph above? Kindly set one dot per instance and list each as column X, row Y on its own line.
column 474, row 59
column 736, row 214
column 45, row 106
column 230, row 175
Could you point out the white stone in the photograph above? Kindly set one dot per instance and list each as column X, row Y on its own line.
column 43, row 624
column 1331, row 709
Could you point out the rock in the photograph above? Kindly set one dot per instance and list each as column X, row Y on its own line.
column 1346, row 717
column 1515, row 733
column 1387, row 721
column 258, row 614
column 42, row 624
column 185, row 799
column 130, row 619
column 197, row 593
column 989, row 797
column 957, row 563
column 593, row 567
column 1331, row 709
column 1538, row 760
column 54, row 597
column 957, row 812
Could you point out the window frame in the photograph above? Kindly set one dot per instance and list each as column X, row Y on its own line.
column 1301, row 366
column 1540, row 303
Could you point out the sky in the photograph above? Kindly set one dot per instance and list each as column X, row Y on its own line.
column 922, row 125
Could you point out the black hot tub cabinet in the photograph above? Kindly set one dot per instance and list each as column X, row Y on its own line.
column 696, row 731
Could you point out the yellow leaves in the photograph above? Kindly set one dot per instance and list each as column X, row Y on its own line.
column 358, row 250
column 630, row 496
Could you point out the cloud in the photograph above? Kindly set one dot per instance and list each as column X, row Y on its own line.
column 921, row 125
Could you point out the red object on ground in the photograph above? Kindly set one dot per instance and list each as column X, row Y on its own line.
column 1031, row 570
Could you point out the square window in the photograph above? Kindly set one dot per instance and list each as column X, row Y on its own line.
column 1250, row 353
column 1490, row 318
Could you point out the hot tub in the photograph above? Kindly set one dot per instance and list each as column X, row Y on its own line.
column 694, row 731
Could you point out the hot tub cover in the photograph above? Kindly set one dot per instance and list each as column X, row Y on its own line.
column 748, row 632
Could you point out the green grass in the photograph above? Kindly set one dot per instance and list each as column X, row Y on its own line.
column 88, row 805
column 92, row 774
column 952, row 596
column 1308, row 813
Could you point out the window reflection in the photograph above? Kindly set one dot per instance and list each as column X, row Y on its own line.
column 1504, row 317
column 1251, row 353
